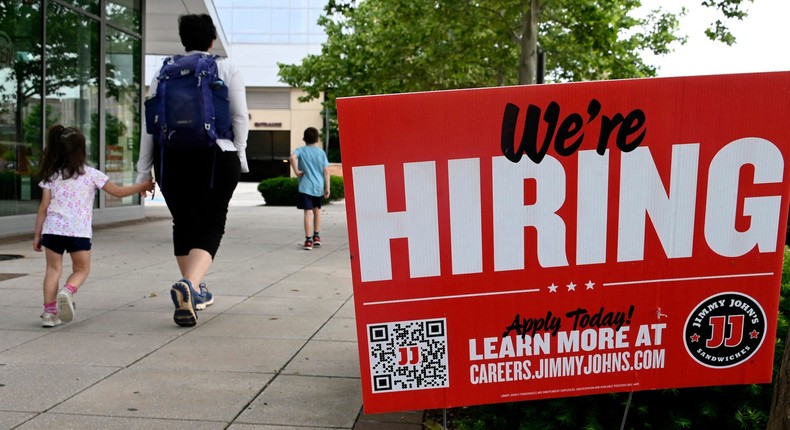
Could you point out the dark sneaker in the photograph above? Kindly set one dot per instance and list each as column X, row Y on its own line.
column 205, row 298
column 184, row 301
column 65, row 305
column 308, row 245
column 316, row 241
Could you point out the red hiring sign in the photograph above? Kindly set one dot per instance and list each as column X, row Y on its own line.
column 545, row 241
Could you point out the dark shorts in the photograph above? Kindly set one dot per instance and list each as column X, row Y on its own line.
column 61, row 244
column 306, row 201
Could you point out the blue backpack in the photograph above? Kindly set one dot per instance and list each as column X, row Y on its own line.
column 191, row 108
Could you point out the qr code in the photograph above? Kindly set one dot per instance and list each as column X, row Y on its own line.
column 408, row 355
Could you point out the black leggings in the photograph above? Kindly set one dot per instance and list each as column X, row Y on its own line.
column 197, row 187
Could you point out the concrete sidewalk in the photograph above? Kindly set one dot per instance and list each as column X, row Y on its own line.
column 277, row 350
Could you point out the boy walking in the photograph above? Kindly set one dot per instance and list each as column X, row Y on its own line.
column 311, row 166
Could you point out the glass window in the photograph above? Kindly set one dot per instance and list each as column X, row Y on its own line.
column 252, row 38
column 280, row 18
column 251, row 20
column 72, row 70
column 281, row 145
column 299, row 21
column 269, row 145
column 20, row 106
column 298, row 38
column 312, row 22
column 56, row 80
column 250, row 3
column 317, row 39
column 90, row 6
column 280, row 38
column 272, row 21
column 125, row 13
column 226, row 21
column 259, row 145
column 122, row 112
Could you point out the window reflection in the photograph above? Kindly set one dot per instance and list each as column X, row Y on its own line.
column 72, row 70
column 125, row 13
column 122, row 113
column 20, row 106
column 90, row 6
column 65, row 88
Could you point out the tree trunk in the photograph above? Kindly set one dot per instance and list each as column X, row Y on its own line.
column 779, row 418
column 529, row 44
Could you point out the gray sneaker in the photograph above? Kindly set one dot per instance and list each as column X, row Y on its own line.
column 205, row 298
column 50, row 320
column 66, row 305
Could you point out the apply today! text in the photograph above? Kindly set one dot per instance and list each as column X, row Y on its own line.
column 594, row 343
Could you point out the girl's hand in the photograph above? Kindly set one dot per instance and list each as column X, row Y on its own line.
column 37, row 243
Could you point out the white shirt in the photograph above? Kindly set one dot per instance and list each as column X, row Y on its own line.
column 240, row 122
column 70, row 211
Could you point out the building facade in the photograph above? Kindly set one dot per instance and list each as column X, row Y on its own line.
column 79, row 63
column 87, row 63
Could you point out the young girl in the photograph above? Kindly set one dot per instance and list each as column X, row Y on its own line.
column 64, row 216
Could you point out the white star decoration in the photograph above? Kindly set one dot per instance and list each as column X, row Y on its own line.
column 571, row 286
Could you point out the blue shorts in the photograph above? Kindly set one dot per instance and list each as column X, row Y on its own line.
column 60, row 244
column 307, row 202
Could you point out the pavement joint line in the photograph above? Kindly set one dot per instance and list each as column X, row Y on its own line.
column 280, row 370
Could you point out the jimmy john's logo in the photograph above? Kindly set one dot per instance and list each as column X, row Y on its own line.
column 725, row 330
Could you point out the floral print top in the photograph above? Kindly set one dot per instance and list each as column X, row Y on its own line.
column 70, row 212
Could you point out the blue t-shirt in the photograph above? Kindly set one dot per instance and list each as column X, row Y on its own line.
column 312, row 161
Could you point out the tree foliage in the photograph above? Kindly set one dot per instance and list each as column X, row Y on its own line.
column 381, row 46
column 730, row 9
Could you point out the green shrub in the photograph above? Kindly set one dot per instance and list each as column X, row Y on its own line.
column 283, row 191
column 336, row 188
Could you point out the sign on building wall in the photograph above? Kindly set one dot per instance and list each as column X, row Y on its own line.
column 520, row 243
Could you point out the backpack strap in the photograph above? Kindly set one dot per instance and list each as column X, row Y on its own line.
column 206, row 73
column 161, row 91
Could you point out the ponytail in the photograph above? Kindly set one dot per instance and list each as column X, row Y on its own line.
column 64, row 154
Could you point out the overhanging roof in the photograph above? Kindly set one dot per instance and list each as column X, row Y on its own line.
column 161, row 25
